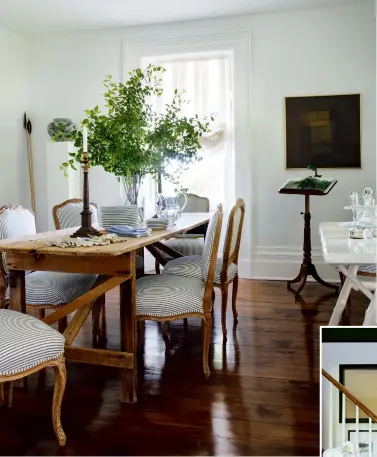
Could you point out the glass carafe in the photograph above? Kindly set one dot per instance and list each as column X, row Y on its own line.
column 171, row 207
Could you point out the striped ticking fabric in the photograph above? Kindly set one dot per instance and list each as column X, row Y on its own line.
column 190, row 266
column 168, row 295
column 53, row 288
column 372, row 268
column 186, row 246
column 26, row 342
column 15, row 222
column 233, row 234
column 208, row 246
column 119, row 215
column 69, row 215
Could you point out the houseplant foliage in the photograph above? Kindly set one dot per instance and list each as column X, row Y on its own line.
column 132, row 140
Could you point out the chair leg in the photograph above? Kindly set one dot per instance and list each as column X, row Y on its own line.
column 60, row 382
column 41, row 313
column 140, row 334
column 165, row 334
column 207, row 330
column 234, row 297
column 157, row 267
column 62, row 324
column 103, row 317
column 224, row 304
column 2, row 394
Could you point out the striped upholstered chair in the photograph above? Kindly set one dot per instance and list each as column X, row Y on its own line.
column 192, row 242
column 167, row 297
column 68, row 214
column 28, row 345
column 226, row 271
column 122, row 215
column 44, row 289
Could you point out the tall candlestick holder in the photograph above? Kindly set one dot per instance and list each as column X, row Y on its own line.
column 86, row 229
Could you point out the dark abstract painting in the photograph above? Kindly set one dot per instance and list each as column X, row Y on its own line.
column 323, row 130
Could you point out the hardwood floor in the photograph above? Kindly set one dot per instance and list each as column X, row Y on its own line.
column 262, row 397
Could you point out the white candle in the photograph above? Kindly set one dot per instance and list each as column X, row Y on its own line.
column 85, row 139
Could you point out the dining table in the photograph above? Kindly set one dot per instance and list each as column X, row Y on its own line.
column 115, row 266
column 346, row 255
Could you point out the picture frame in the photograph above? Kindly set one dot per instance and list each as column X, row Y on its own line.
column 364, row 440
column 361, row 381
column 323, row 130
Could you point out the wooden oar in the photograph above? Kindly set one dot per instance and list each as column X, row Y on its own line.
column 28, row 128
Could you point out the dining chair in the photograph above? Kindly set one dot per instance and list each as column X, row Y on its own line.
column 68, row 213
column 226, row 270
column 28, row 345
column 165, row 298
column 44, row 289
column 191, row 242
column 122, row 215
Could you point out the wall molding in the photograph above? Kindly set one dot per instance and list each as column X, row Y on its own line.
column 283, row 263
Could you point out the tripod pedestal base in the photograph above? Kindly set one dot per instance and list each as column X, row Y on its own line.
column 308, row 269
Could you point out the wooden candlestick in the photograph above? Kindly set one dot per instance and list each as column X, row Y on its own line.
column 86, row 229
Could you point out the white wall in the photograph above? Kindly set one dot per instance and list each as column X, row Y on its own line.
column 324, row 51
column 14, row 184
column 333, row 355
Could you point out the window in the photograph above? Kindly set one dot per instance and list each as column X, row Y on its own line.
column 206, row 80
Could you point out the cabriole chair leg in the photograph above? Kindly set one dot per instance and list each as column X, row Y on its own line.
column 60, row 382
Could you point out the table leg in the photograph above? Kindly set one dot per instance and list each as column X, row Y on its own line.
column 17, row 290
column 343, row 296
column 371, row 313
column 128, row 333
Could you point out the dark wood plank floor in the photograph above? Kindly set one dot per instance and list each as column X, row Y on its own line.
column 262, row 397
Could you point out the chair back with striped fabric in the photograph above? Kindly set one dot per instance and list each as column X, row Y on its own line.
column 233, row 237
column 196, row 204
column 119, row 215
column 211, row 244
column 68, row 214
column 15, row 221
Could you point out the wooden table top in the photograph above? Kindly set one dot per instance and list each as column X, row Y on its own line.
column 35, row 243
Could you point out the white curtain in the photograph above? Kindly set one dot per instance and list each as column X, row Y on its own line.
column 206, row 82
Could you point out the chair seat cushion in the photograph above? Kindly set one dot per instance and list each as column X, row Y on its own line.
column 368, row 269
column 185, row 246
column 26, row 342
column 190, row 267
column 168, row 296
column 52, row 288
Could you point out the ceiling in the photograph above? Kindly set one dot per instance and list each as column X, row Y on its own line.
column 43, row 16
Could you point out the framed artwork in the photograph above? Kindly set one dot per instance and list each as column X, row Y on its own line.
column 324, row 131
column 361, row 381
column 364, row 441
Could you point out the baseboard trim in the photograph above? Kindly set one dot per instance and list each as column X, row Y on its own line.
column 282, row 263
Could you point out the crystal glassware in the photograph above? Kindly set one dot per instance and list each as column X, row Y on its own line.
column 354, row 201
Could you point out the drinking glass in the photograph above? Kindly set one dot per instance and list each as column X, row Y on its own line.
column 354, row 200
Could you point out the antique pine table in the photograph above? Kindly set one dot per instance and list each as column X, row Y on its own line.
column 115, row 265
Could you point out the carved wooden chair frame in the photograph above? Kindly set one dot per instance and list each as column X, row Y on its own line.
column 206, row 315
column 61, row 205
column 60, row 382
column 228, row 259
